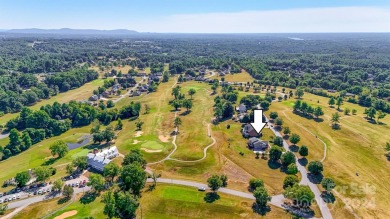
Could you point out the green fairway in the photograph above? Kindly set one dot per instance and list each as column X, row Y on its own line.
column 168, row 201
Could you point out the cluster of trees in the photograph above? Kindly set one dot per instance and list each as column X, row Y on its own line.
column 259, row 192
column 306, row 110
column 180, row 99
column 123, row 201
column 372, row 113
column 18, row 90
column 41, row 174
column 53, row 120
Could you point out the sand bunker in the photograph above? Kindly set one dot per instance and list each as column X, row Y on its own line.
column 163, row 138
column 150, row 151
column 66, row 214
column 136, row 142
column 138, row 134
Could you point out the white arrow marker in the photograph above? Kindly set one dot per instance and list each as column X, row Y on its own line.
column 258, row 123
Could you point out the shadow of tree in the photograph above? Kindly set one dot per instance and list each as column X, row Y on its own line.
column 88, row 197
column 316, row 179
column 328, row 197
column 211, row 197
column 294, row 148
column 274, row 164
column 261, row 210
column 303, row 161
column 63, row 200
column 335, row 126
column 185, row 113
column 50, row 161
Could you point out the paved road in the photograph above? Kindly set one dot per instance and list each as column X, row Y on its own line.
column 276, row 200
column 305, row 180
column 128, row 92
column 26, row 200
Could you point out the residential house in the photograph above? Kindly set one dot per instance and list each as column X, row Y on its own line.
column 350, row 95
column 141, row 74
column 136, row 93
column 257, row 145
column 241, row 108
column 105, row 94
column 94, row 98
column 332, row 91
column 98, row 160
column 248, row 131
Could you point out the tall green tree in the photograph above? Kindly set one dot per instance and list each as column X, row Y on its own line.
column 262, row 197
column 191, row 92
column 295, row 138
column 214, row 182
column 22, row 178
column 133, row 178
column 134, row 156
column 110, row 171
column 315, row 167
column 96, row 181
column 59, row 148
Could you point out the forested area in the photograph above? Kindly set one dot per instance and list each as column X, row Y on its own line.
column 20, row 89
column 53, row 120
column 353, row 63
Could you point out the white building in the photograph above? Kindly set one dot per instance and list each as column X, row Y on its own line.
column 98, row 160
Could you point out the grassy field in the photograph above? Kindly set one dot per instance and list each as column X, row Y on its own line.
column 94, row 208
column 39, row 154
column 40, row 209
column 193, row 134
column 238, row 77
column 157, row 127
column 81, row 93
column 356, row 147
column 168, row 201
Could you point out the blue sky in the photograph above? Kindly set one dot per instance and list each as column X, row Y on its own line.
column 219, row 16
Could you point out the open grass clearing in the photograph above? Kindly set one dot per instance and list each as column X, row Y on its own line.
column 356, row 147
column 39, row 154
column 39, row 209
column 168, row 201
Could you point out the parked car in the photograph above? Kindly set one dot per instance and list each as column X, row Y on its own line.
column 1, row 201
column 202, row 189
column 6, row 199
column 13, row 197
column 18, row 196
column 72, row 184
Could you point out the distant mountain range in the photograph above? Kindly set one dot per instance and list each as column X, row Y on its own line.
column 68, row 31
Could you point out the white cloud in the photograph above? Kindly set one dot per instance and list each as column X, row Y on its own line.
column 338, row 19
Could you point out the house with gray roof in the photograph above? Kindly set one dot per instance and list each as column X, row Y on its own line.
column 98, row 160
column 257, row 145
column 248, row 131
column 241, row 108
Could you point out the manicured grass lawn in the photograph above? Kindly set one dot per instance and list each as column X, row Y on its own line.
column 38, row 154
column 168, row 201
column 356, row 147
column 94, row 209
column 158, row 122
column 40, row 209
column 152, row 145
column 193, row 134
